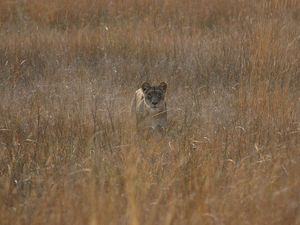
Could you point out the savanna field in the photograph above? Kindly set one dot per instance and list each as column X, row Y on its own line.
column 69, row 153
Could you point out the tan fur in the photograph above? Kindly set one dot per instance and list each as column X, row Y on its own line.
column 145, row 115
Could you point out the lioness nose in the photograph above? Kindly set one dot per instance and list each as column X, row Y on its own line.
column 154, row 103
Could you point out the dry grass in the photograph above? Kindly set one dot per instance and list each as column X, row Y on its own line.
column 68, row 154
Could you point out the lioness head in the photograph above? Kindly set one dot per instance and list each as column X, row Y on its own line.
column 154, row 95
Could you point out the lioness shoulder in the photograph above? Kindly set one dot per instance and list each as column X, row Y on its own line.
column 149, row 107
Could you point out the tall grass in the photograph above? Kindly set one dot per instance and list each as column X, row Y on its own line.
column 69, row 153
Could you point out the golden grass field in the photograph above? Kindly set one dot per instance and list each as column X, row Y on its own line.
column 69, row 153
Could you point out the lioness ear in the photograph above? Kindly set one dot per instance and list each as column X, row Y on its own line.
column 145, row 86
column 163, row 86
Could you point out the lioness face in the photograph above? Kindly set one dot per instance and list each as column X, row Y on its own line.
column 154, row 95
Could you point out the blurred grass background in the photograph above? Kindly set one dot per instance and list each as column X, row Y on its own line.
column 68, row 71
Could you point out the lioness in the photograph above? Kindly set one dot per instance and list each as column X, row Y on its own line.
column 149, row 107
